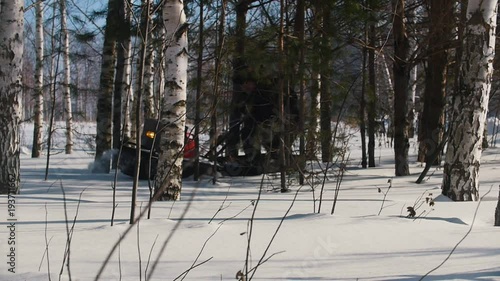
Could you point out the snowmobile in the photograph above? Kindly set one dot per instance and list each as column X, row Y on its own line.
column 150, row 142
column 242, row 165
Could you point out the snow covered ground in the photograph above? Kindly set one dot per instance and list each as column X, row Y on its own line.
column 210, row 228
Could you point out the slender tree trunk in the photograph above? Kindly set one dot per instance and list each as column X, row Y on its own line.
column 147, row 89
column 386, row 92
column 325, row 89
column 300, row 34
column 362, row 100
column 372, row 99
column 68, row 112
column 199, row 73
column 38, row 91
column 238, row 96
column 173, row 110
column 281, row 96
column 470, row 103
column 216, row 91
column 54, row 69
column 411, row 20
column 122, row 84
column 401, row 71
column 432, row 118
column 313, row 128
column 11, row 53
column 126, row 79
column 139, row 120
column 106, row 82
column 159, row 68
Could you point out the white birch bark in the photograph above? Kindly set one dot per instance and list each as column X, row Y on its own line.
column 68, row 115
column 385, row 87
column 159, row 72
column 38, row 91
column 11, row 53
column 147, row 87
column 173, row 107
column 470, row 104
column 412, row 94
column 127, row 96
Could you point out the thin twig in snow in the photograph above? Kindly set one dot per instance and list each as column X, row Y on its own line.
column 185, row 273
column 222, row 207
column 261, row 261
column 47, row 243
column 149, row 256
column 171, row 234
column 194, row 266
column 461, row 240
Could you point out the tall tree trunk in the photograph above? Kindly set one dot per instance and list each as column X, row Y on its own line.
column 147, row 89
column 401, row 71
column 385, row 88
column 68, row 112
column 313, row 118
column 432, row 118
column 38, row 91
column 282, row 96
column 325, row 89
column 470, row 103
column 122, row 82
column 216, row 90
column 238, row 64
column 106, row 82
column 372, row 99
column 299, row 32
column 362, row 108
column 199, row 82
column 11, row 53
column 173, row 110
column 411, row 20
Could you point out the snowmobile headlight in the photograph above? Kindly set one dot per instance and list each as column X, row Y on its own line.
column 150, row 134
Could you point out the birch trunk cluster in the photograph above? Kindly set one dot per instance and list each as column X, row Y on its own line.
column 470, row 104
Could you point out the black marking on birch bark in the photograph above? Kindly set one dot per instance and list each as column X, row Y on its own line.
column 181, row 30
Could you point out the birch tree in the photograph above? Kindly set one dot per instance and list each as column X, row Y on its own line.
column 38, row 91
column 470, row 103
column 147, row 88
column 68, row 115
column 11, row 53
column 168, row 180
